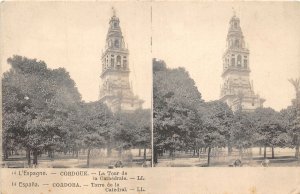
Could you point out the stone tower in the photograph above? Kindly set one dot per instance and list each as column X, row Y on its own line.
column 115, row 88
column 236, row 90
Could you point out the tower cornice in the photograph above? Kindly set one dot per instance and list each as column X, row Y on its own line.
column 236, row 50
column 115, row 51
column 119, row 71
column 235, row 69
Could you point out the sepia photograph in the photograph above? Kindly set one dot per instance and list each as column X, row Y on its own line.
column 76, row 85
column 150, row 97
column 226, row 82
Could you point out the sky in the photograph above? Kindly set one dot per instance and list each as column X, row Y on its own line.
column 193, row 35
column 186, row 34
column 72, row 35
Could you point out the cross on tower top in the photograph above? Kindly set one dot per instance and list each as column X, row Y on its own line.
column 113, row 11
column 234, row 13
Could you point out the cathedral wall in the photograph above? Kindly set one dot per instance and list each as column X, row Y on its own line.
column 131, row 106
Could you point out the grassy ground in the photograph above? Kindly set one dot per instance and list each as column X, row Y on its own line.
column 98, row 159
column 283, row 158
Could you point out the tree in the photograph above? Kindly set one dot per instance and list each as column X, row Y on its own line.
column 290, row 122
column 270, row 131
column 40, row 98
column 176, row 102
column 123, row 134
column 95, row 118
column 295, row 124
column 137, row 127
column 217, row 122
column 242, row 132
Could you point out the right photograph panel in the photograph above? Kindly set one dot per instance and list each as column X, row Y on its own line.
column 226, row 84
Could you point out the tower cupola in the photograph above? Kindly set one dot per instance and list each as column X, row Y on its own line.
column 235, row 38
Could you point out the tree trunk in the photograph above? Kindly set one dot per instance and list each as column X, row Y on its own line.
column 35, row 157
column 109, row 151
column 208, row 156
column 120, row 152
column 229, row 150
column 297, row 152
column 273, row 152
column 140, row 152
column 88, row 157
column 251, row 153
column 155, row 155
column 145, row 154
column 5, row 154
column 28, row 157
column 170, row 153
column 259, row 150
column 265, row 152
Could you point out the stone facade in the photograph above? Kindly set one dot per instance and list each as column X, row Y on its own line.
column 237, row 90
column 115, row 88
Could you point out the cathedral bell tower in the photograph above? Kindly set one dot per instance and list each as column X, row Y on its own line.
column 236, row 90
column 115, row 90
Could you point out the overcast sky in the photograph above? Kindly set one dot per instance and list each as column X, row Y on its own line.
column 193, row 35
column 72, row 35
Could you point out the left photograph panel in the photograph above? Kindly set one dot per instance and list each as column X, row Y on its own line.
column 76, row 84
